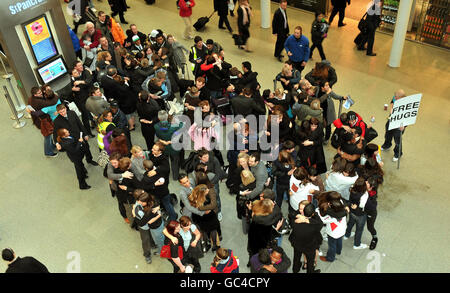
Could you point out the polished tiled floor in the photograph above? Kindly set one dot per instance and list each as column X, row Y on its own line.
column 43, row 213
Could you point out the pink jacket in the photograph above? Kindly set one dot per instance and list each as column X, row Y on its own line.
column 202, row 137
column 186, row 11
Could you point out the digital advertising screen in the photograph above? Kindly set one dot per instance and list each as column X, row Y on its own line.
column 52, row 70
column 41, row 40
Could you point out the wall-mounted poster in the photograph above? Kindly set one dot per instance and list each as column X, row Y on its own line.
column 41, row 40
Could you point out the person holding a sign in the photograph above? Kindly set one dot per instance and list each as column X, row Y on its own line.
column 394, row 133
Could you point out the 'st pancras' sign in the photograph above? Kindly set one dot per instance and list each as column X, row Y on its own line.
column 23, row 5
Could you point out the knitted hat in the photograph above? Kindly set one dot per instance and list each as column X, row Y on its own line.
column 154, row 33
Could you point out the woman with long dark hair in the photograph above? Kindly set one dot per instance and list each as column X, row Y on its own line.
column 147, row 109
column 178, row 261
column 282, row 170
column 358, row 199
column 147, row 215
column 311, row 153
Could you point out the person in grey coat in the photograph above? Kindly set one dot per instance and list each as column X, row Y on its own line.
column 179, row 53
column 96, row 103
column 187, row 185
column 330, row 114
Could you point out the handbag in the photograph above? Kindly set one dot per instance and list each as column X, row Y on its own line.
column 231, row 6
column 362, row 25
column 88, row 61
column 103, row 159
column 46, row 126
column 165, row 252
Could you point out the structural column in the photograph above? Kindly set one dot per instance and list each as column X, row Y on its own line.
column 265, row 13
column 401, row 27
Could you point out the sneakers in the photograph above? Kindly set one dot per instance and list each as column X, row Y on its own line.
column 126, row 220
column 351, row 235
column 361, row 246
column 320, row 253
column 219, row 216
column 394, row 159
column 373, row 243
column 148, row 259
column 384, row 149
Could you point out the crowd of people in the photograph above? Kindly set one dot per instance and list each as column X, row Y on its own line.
column 144, row 77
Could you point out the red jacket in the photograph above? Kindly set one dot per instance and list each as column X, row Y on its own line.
column 186, row 11
column 359, row 123
column 230, row 267
column 94, row 39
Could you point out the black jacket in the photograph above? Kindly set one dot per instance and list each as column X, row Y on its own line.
column 81, row 96
column 73, row 148
column 27, row 265
column 245, row 106
column 148, row 110
column 126, row 196
column 280, row 171
column 119, row 92
column 248, row 80
column 278, row 23
column 340, row 3
column 199, row 54
column 241, row 26
column 148, row 184
column 72, row 123
column 306, row 236
column 221, row 6
column 117, row 5
column 130, row 35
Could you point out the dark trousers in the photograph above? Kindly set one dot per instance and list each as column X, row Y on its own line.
column 175, row 164
column 122, row 210
column 392, row 134
column 224, row 19
column 146, row 243
column 298, row 66
column 371, row 217
column 320, row 48
column 279, row 45
column 336, row 10
column 360, row 221
column 148, row 132
column 81, row 172
column 86, row 116
column 193, row 261
column 280, row 190
column 327, row 132
column 87, row 151
column 297, row 263
column 122, row 18
column 370, row 39
column 334, row 247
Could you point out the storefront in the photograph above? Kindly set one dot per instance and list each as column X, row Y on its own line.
column 429, row 19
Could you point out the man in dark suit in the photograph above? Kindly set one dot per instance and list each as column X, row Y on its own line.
column 69, row 120
column 82, row 81
column 26, row 264
column 244, row 104
column 280, row 27
column 338, row 6
column 306, row 238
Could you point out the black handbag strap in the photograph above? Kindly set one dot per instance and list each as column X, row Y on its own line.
column 364, row 16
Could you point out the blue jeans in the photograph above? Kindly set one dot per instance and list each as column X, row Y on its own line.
column 334, row 247
column 279, row 240
column 158, row 236
column 165, row 200
column 49, row 146
column 360, row 221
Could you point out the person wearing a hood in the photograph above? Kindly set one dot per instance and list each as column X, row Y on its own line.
column 319, row 30
column 297, row 48
column 164, row 131
column 224, row 262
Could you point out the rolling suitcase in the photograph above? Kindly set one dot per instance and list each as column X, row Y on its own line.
column 201, row 22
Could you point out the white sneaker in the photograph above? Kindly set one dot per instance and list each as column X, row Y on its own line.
column 325, row 238
column 320, row 253
column 219, row 216
column 361, row 246
column 394, row 159
column 351, row 235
